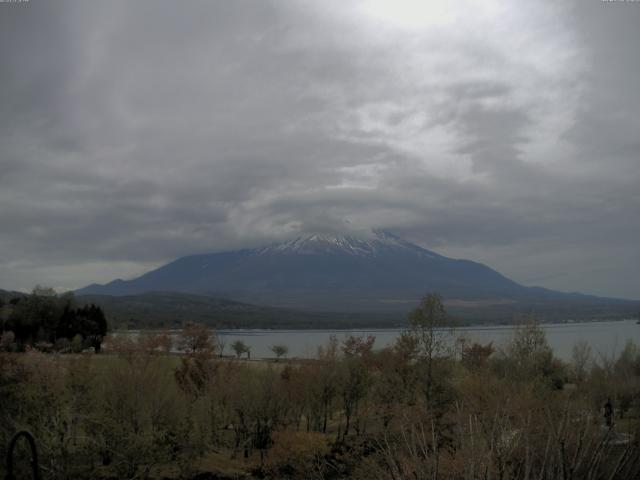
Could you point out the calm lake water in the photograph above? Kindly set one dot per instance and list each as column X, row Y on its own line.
column 605, row 338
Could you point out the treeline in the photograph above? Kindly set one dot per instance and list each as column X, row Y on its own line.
column 48, row 322
column 425, row 407
column 171, row 310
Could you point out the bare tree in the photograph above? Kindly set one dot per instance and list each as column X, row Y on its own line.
column 430, row 326
column 196, row 338
column 221, row 342
column 280, row 351
column 239, row 347
column 581, row 358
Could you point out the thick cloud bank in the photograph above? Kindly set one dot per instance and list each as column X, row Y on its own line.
column 136, row 132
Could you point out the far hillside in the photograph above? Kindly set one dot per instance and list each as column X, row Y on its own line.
column 160, row 310
column 173, row 310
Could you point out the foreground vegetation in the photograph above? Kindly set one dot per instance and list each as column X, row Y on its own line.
column 417, row 409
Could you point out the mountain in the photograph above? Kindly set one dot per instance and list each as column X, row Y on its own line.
column 379, row 272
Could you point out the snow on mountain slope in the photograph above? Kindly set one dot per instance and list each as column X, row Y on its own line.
column 376, row 243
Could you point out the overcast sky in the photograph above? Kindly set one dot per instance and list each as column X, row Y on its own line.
column 135, row 132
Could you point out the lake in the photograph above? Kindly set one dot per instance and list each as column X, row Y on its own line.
column 606, row 338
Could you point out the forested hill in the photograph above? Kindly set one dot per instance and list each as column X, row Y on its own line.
column 174, row 309
column 7, row 295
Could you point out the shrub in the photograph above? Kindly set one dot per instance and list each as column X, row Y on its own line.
column 297, row 455
column 77, row 344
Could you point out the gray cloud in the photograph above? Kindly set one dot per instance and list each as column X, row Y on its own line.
column 136, row 132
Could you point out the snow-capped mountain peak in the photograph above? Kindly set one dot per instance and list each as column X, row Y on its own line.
column 371, row 244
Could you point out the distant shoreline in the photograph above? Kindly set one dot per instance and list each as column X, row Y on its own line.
column 365, row 329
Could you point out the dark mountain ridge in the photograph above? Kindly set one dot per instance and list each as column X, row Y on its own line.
column 172, row 310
